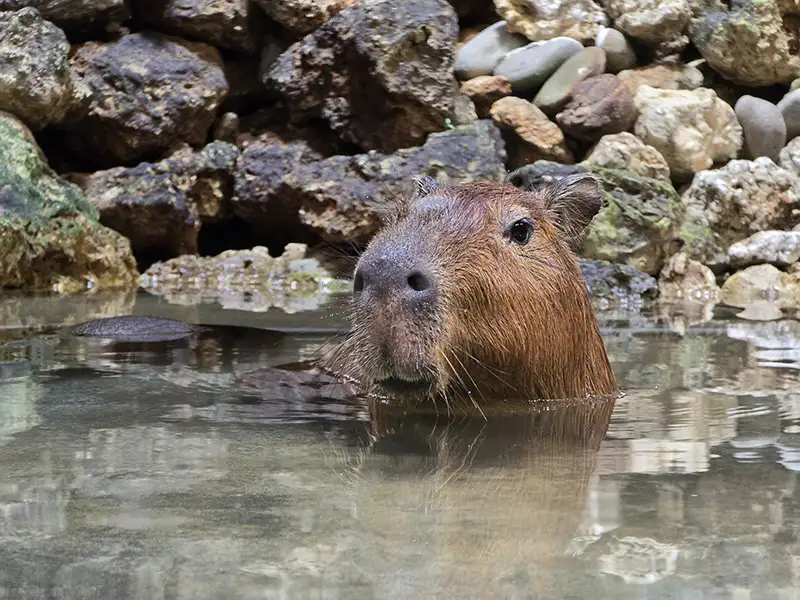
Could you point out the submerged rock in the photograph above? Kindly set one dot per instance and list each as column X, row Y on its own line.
column 50, row 237
column 546, row 19
column 245, row 279
column 36, row 82
column 683, row 279
column 149, row 93
column 380, row 74
column 286, row 189
column 160, row 206
column 132, row 328
column 692, row 130
column 730, row 204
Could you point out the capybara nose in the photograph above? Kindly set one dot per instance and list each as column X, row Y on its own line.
column 415, row 285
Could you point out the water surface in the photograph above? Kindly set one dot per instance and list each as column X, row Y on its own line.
column 150, row 473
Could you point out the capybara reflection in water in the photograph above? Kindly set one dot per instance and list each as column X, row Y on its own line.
column 473, row 291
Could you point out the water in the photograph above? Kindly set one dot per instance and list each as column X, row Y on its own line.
column 150, row 474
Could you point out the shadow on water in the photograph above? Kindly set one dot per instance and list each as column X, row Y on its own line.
column 211, row 465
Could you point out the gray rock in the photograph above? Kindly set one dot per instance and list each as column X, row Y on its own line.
column 540, row 173
column 234, row 24
column 362, row 75
column 781, row 248
column 789, row 106
column 134, row 328
column 481, row 54
column 557, row 90
column 627, row 152
column 747, row 42
column 284, row 191
column 150, row 92
column 619, row 53
column 528, row 68
column 763, row 127
column 658, row 23
column 789, row 158
column 36, row 83
column 729, row 204
column 546, row 19
column 50, row 236
column 613, row 281
column 80, row 17
column 160, row 206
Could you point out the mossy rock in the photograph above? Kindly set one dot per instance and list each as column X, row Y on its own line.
column 50, row 236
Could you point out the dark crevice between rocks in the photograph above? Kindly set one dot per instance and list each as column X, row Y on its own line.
column 225, row 234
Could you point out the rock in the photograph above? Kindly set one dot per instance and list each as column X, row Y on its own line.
column 303, row 16
column 284, row 192
column 545, row 19
column 529, row 134
column 727, row 205
column 50, row 238
column 692, row 130
column 665, row 77
column 36, row 82
column 624, row 151
column 138, row 110
column 619, row 53
column 249, row 280
column 795, row 85
column 639, row 224
column 528, row 68
column 761, row 311
column 79, row 17
column 481, row 54
column 160, row 206
column 758, row 284
column 613, row 281
column 748, row 43
column 379, row 73
column 135, row 328
column 789, row 157
column 658, row 23
column 762, row 125
column 484, row 91
column 232, row 24
column 246, row 93
column 781, row 248
column 789, row 106
column 600, row 105
column 226, row 129
column 684, row 279
column 557, row 90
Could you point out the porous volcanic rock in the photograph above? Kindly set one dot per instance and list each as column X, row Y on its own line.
column 663, row 76
column 752, row 42
column 789, row 157
column 545, row 19
column 286, row 190
column 484, row 91
column 150, row 92
column 729, row 204
column 36, row 82
column 77, row 16
column 379, row 73
column 160, row 206
column 627, row 152
column 50, row 237
column 605, row 280
column 303, row 16
column 658, row 23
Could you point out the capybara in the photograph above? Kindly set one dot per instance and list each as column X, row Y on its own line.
column 473, row 291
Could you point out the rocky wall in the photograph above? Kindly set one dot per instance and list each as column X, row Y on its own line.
column 134, row 132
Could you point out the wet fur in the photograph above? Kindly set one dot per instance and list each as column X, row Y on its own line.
column 512, row 321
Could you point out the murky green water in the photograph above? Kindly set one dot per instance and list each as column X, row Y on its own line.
column 147, row 473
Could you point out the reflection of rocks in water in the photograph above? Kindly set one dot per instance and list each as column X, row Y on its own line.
column 493, row 505
column 33, row 510
column 18, row 407
column 641, row 561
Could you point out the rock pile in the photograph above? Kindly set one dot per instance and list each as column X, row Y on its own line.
column 156, row 130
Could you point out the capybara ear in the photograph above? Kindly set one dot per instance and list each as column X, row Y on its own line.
column 424, row 186
column 571, row 203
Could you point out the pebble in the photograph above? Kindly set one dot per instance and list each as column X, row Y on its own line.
column 484, row 91
column 762, row 125
column 557, row 90
column 619, row 53
column 480, row 55
column 600, row 105
column 790, row 108
column 529, row 67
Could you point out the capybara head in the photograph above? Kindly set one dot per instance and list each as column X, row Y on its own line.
column 473, row 291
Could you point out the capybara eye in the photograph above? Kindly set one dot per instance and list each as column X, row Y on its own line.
column 521, row 231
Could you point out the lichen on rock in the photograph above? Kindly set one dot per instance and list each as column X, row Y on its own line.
column 50, row 238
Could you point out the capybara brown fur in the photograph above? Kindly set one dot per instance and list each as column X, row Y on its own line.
column 473, row 292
